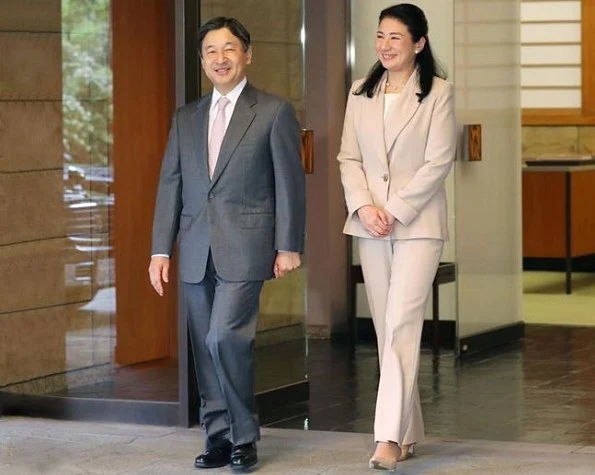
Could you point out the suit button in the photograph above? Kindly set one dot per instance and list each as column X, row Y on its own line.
column 385, row 177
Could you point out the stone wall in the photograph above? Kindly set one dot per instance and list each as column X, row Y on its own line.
column 43, row 328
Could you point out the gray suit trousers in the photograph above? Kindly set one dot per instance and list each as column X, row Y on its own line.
column 222, row 317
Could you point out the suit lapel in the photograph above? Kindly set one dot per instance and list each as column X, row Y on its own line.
column 398, row 119
column 242, row 117
column 200, row 124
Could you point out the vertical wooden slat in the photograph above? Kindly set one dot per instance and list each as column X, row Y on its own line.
column 588, row 56
column 583, row 218
column 143, row 68
column 543, row 214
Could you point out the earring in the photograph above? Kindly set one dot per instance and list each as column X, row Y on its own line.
column 416, row 51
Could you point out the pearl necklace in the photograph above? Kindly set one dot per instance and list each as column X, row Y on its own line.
column 396, row 88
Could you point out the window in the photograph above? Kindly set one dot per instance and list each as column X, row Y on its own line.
column 551, row 54
column 557, row 55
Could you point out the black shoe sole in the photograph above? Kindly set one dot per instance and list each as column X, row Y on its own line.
column 244, row 468
column 210, row 466
column 222, row 464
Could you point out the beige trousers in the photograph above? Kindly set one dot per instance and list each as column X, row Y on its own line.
column 398, row 277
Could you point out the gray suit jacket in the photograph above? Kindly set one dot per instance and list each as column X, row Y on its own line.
column 255, row 203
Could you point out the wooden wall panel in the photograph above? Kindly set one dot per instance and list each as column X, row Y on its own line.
column 588, row 57
column 583, row 217
column 143, row 68
column 543, row 214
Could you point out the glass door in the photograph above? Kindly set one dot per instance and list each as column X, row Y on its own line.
column 277, row 67
column 78, row 322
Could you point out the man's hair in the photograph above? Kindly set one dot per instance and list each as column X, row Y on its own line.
column 237, row 29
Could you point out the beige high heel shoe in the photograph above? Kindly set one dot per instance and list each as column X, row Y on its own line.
column 380, row 463
column 407, row 451
column 384, row 463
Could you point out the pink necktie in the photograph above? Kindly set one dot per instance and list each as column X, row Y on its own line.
column 217, row 133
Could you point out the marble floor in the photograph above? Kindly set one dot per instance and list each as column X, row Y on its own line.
column 528, row 408
column 32, row 446
column 541, row 390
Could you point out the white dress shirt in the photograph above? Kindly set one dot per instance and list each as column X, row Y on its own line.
column 233, row 97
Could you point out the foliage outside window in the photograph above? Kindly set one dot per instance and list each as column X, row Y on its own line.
column 87, row 81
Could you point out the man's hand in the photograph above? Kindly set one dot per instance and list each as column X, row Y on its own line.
column 377, row 222
column 285, row 262
column 159, row 273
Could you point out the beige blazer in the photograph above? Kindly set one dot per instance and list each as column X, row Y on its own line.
column 400, row 167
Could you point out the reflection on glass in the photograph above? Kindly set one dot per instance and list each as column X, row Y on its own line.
column 56, row 96
column 57, row 322
column 57, row 246
column 276, row 30
column 88, row 178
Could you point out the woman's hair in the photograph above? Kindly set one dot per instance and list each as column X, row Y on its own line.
column 417, row 25
column 237, row 29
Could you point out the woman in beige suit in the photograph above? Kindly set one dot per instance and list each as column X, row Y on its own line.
column 398, row 145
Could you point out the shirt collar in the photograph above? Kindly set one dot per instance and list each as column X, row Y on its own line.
column 233, row 95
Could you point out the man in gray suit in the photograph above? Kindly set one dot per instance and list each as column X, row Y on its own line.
column 232, row 188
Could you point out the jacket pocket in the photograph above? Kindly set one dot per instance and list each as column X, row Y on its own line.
column 185, row 222
column 256, row 220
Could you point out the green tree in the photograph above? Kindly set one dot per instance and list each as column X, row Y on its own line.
column 87, row 80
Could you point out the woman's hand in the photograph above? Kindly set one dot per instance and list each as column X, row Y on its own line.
column 376, row 221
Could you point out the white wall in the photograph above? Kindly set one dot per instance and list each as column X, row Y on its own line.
column 488, row 193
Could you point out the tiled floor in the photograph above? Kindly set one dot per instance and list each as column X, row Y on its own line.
column 33, row 446
column 526, row 409
column 542, row 390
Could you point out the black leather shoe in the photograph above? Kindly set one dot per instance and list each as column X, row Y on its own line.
column 243, row 456
column 214, row 457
